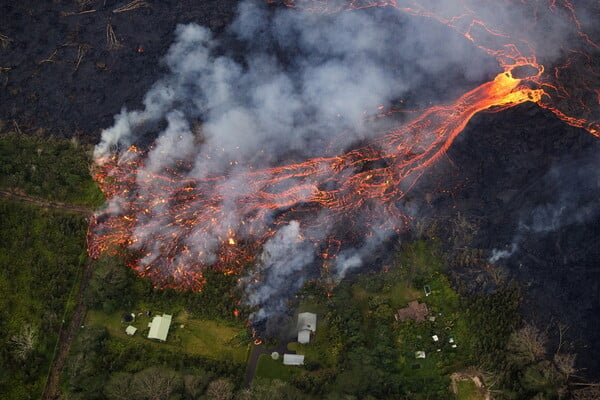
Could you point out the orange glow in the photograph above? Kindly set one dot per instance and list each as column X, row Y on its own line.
column 404, row 153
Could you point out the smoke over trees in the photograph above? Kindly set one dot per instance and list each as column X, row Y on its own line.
column 280, row 86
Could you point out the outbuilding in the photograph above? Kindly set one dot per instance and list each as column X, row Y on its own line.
column 293, row 359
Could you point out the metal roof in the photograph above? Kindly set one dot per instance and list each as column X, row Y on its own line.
column 159, row 327
column 304, row 336
column 308, row 321
column 293, row 359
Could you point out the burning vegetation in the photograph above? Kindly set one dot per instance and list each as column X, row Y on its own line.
column 240, row 192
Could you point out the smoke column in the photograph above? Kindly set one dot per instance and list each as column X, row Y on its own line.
column 278, row 144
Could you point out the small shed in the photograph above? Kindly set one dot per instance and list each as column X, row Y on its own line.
column 419, row 354
column 131, row 330
column 159, row 327
column 293, row 359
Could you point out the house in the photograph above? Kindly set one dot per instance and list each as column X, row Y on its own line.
column 130, row 330
column 293, row 359
column 159, row 327
column 419, row 354
column 307, row 324
column 414, row 311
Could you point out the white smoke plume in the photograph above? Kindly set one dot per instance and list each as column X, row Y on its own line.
column 573, row 189
column 283, row 264
column 279, row 85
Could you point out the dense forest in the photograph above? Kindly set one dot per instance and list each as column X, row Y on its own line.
column 54, row 169
column 41, row 256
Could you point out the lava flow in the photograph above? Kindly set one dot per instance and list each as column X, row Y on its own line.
column 222, row 220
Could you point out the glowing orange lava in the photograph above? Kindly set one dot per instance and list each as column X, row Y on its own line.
column 338, row 184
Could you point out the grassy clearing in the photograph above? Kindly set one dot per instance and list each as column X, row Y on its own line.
column 467, row 390
column 401, row 294
column 208, row 338
column 274, row 369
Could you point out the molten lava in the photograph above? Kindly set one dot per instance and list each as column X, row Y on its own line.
column 339, row 184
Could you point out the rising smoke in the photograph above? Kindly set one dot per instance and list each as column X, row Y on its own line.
column 280, row 85
column 572, row 190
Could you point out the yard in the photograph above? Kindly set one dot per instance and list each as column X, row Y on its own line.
column 274, row 369
column 208, row 338
column 468, row 390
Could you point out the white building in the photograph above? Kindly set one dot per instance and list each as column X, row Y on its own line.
column 293, row 359
column 304, row 336
column 131, row 330
column 159, row 327
column 307, row 324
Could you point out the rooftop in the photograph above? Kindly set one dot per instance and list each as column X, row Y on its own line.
column 415, row 311
column 159, row 327
column 293, row 359
column 307, row 321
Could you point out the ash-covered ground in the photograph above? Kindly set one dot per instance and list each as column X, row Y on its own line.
column 528, row 179
column 529, row 185
column 60, row 69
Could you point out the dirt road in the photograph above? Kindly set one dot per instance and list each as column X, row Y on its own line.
column 67, row 331
column 39, row 201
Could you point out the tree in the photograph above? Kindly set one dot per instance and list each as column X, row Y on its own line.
column 109, row 285
column 156, row 383
column 24, row 342
column 195, row 384
column 274, row 389
column 565, row 363
column 220, row 389
column 542, row 377
column 591, row 392
column 527, row 345
column 118, row 387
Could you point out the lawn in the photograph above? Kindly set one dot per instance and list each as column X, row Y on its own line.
column 208, row 338
column 274, row 369
column 401, row 294
column 467, row 390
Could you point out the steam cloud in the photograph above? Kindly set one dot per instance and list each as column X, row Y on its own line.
column 279, row 85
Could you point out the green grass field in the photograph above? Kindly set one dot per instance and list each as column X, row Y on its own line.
column 208, row 338
column 274, row 369
column 467, row 390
